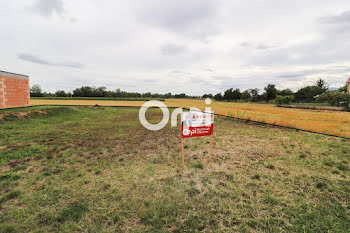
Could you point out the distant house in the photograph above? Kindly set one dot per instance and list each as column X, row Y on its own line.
column 14, row 90
column 348, row 84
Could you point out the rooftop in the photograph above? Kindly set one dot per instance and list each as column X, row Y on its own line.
column 13, row 75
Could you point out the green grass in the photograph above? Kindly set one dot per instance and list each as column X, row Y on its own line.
column 69, row 169
column 98, row 98
column 312, row 104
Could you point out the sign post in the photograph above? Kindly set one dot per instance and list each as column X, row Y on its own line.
column 197, row 124
column 211, row 151
column 183, row 154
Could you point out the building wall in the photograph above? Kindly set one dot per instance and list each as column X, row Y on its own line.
column 14, row 90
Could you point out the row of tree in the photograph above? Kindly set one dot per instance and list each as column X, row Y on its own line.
column 319, row 92
column 305, row 94
column 91, row 91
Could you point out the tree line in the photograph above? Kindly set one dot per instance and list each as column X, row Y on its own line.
column 91, row 91
column 317, row 93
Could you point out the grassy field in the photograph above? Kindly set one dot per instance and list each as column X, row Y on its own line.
column 79, row 169
column 329, row 122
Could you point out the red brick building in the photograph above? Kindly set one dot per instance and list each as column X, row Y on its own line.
column 14, row 90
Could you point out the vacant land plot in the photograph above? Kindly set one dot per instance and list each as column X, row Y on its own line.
column 69, row 169
column 329, row 122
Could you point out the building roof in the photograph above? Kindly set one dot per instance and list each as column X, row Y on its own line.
column 348, row 80
column 13, row 75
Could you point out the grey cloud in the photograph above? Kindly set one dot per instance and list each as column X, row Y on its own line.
column 291, row 76
column 263, row 46
column 246, row 44
column 176, row 71
column 191, row 18
column 209, row 70
column 73, row 20
column 38, row 60
column 180, row 72
column 49, row 7
column 329, row 49
column 199, row 80
column 331, row 74
column 257, row 46
column 222, row 78
column 344, row 17
column 172, row 49
column 150, row 80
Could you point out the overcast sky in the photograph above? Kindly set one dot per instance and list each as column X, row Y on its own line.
column 195, row 47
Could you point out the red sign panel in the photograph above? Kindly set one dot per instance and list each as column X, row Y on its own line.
column 188, row 132
column 197, row 124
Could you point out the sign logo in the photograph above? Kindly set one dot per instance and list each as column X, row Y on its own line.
column 197, row 124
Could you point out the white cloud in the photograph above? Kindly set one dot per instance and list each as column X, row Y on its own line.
column 176, row 46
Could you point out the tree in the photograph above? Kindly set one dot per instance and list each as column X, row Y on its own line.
column 207, row 96
column 343, row 88
column 100, row 92
column 285, row 92
column 307, row 94
column 86, row 91
column 182, row 95
column 254, row 93
column 270, row 92
column 246, row 95
column 61, row 93
column 36, row 91
column 218, row 97
column 228, row 95
column 288, row 99
column 322, row 85
column 147, row 94
column 236, row 94
column 335, row 98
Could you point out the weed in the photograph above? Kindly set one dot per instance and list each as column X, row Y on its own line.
column 270, row 166
column 320, row 185
column 229, row 177
column 198, row 165
column 11, row 195
column 9, row 176
column 73, row 211
column 342, row 167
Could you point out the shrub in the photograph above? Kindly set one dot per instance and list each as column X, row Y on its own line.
column 335, row 98
column 284, row 99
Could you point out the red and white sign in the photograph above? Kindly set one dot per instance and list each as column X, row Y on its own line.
column 197, row 124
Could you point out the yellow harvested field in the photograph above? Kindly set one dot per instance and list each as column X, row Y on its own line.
column 85, row 102
column 329, row 122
